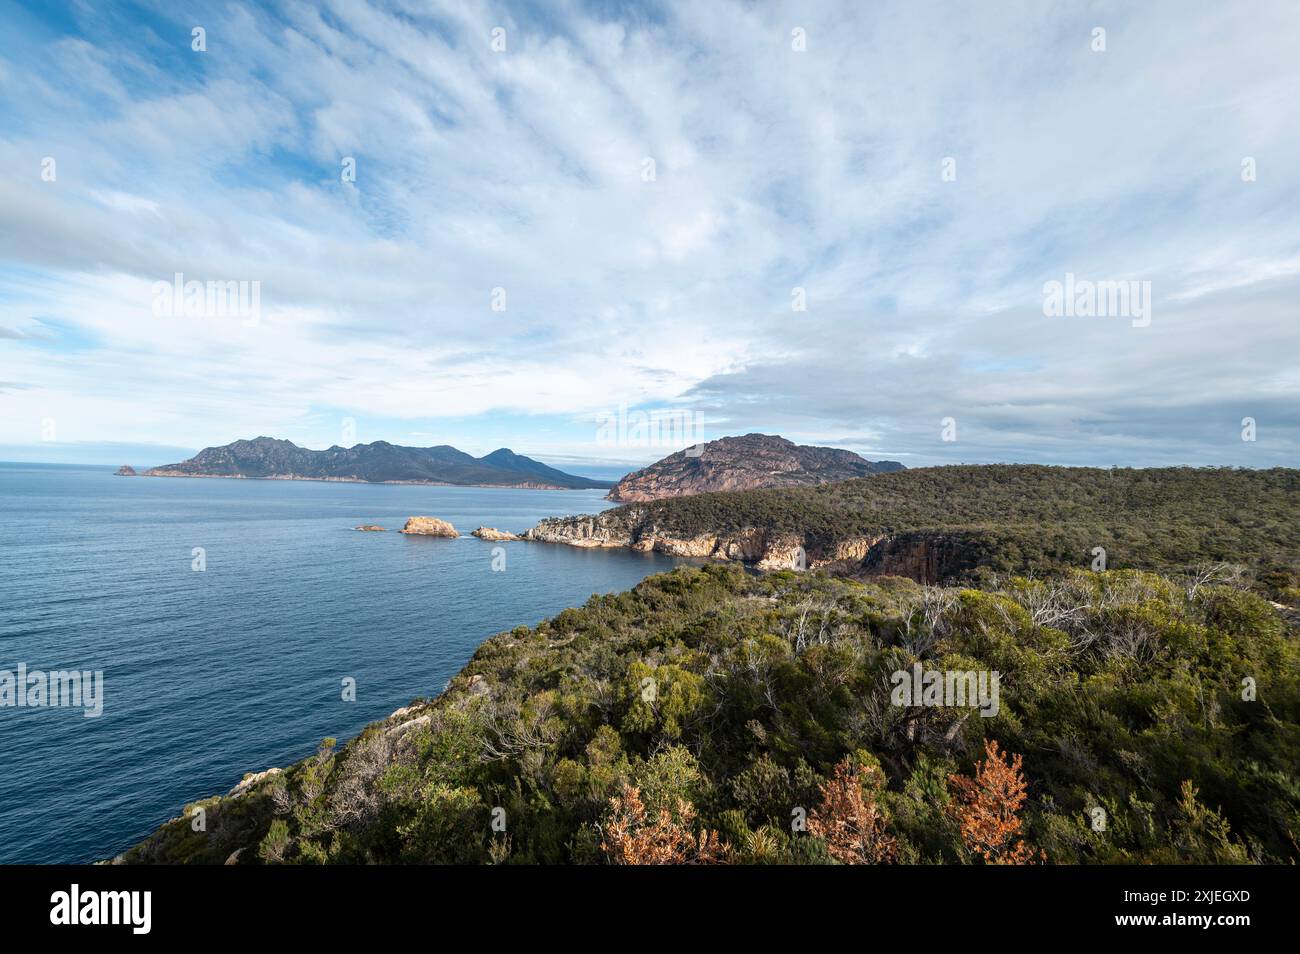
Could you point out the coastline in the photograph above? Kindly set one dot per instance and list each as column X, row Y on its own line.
column 897, row 560
column 359, row 480
column 928, row 557
column 497, row 677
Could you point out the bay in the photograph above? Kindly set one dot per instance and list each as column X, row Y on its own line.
column 238, row 667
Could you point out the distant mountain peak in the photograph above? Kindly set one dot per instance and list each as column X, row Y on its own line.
column 744, row 462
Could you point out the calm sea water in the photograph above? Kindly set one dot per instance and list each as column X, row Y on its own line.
column 208, row 675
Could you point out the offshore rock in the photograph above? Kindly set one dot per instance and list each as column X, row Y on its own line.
column 429, row 527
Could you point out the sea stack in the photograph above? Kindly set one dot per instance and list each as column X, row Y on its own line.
column 126, row 470
column 492, row 533
column 429, row 527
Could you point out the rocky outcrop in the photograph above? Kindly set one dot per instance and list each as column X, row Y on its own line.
column 579, row 532
column 492, row 533
column 250, row 780
column 614, row 530
column 371, row 528
column 703, row 545
column 784, row 552
column 848, row 555
column 743, row 463
column 924, row 557
column 429, row 527
column 126, row 470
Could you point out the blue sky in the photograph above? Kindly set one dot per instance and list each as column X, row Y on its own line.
column 524, row 169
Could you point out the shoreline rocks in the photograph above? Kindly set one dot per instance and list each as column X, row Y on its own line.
column 926, row 557
column 581, row 531
column 428, row 527
column 492, row 533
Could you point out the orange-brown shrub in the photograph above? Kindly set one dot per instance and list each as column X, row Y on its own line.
column 986, row 808
column 848, row 819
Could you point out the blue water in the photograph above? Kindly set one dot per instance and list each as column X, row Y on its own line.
column 208, row 675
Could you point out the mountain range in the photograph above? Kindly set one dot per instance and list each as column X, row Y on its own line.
column 748, row 462
column 378, row 462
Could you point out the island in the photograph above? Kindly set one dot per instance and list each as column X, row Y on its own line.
column 265, row 458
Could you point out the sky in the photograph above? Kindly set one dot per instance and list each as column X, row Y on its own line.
column 490, row 224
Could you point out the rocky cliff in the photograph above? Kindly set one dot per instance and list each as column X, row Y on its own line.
column 945, row 524
column 744, row 463
column 924, row 557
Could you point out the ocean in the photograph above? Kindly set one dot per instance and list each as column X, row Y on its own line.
column 211, row 673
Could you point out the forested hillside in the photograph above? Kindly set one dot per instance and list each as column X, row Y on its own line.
column 716, row 716
column 994, row 518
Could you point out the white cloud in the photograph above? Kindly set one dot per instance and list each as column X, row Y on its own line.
column 774, row 169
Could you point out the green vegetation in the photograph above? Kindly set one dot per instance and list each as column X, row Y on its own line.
column 1018, row 518
column 700, row 716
